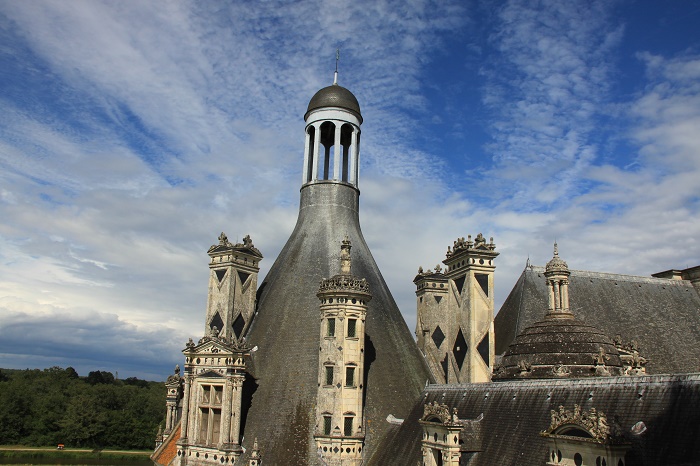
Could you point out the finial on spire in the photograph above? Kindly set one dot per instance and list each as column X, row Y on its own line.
column 337, row 58
column 556, row 248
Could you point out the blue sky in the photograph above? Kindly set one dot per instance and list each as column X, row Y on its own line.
column 133, row 133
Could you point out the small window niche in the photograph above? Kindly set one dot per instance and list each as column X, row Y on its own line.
column 330, row 327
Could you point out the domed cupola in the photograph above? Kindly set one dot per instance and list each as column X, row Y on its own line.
column 334, row 96
column 332, row 148
column 559, row 345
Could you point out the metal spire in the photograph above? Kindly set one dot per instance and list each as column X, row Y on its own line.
column 337, row 58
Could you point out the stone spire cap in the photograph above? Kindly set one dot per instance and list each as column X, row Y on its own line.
column 557, row 264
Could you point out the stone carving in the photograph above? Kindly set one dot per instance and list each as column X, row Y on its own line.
column 632, row 362
column 344, row 283
column 525, row 367
column 190, row 344
column 247, row 242
column 601, row 358
column 175, row 377
column 594, row 422
column 440, row 411
column 223, row 239
column 479, row 242
column 561, row 370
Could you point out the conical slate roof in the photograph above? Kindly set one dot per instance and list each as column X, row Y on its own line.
column 287, row 326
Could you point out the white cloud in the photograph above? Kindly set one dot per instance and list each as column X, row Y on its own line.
column 165, row 124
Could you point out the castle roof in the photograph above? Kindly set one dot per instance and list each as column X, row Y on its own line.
column 515, row 413
column 560, row 347
column 287, row 326
column 662, row 315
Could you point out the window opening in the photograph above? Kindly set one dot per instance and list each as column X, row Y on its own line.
column 459, row 282
column 352, row 331
column 345, row 142
column 483, row 348
column 347, row 426
column 312, row 145
column 217, row 322
column 330, row 329
column 460, row 349
column 483, row 281
column 328, row 141
column 329, row 375
column 238, row 325
column 243, row 276
column 326, row 425
column 438, row 336
column 349, row 376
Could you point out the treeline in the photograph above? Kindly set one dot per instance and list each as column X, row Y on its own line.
column 55, row 405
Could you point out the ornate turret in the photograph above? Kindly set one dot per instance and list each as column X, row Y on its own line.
column 339, row 429
column 557, row 273
column 559, row 345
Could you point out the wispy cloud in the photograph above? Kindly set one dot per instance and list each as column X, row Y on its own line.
column 131, row 134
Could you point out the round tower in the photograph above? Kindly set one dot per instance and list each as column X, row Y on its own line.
column 286, row 326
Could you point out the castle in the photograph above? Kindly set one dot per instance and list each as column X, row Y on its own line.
column 577, row 367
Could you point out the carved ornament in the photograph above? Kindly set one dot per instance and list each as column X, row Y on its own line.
column 594, row 422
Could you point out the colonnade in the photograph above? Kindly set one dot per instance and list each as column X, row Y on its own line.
column 344, row 139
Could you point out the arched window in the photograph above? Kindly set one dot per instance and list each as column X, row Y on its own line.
column 327, row 131
column 345, row 142
column 310, row 154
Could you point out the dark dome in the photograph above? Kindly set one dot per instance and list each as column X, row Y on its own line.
column 560, row 347
column 334, row 96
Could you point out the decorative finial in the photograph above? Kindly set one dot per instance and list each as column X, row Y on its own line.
column 337, row 59
column 556, row 249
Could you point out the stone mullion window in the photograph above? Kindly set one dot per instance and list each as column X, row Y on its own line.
column 209, row 423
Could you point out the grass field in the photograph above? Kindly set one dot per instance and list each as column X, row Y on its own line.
column 15, row 454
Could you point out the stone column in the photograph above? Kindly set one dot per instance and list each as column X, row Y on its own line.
column 236, row 408
column 225, row 436
column 305, row 171
column 557, row 298
column 352, row 175
column 550, row 289
column 316, row 149
column 357, row 160
column 337, row 153
column 565, row 295
column 186, row 406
